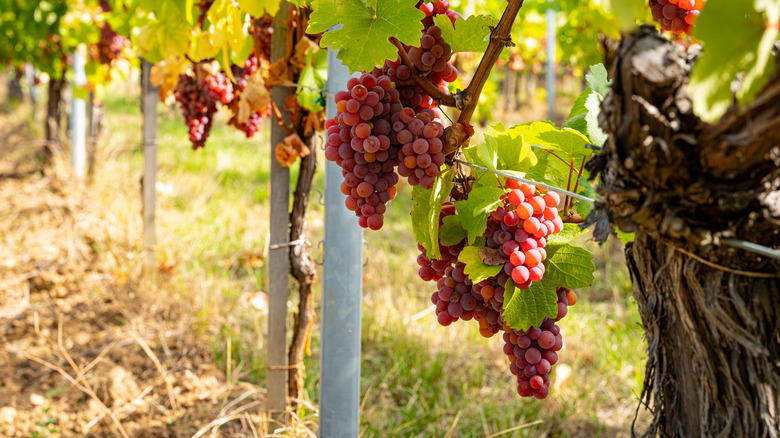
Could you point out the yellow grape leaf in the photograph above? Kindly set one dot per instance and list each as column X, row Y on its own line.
column 206, row 44
column 165, row 76
column 229, row 24
column 255, row 97
column 256, row 8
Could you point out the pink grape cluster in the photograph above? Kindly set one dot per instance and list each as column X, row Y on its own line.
column 533, row 352
column 197, row 108
column 433, row 56
column 421, row 154
column 677, row 16
column 383, row 119
column 359, row 142
column 516, row 232
column 110, row 45
column 220, row 89
column 432, row 9
column 519, row 230
column 264, row 32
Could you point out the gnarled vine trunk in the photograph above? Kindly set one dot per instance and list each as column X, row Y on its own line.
column 711, row 311
column 53, row 106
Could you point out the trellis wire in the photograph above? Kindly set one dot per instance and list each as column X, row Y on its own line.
column 536, row 183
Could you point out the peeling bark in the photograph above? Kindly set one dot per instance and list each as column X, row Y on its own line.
column 711, row 319
column 304, row 271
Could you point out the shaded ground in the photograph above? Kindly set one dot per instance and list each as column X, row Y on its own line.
column 85, row 351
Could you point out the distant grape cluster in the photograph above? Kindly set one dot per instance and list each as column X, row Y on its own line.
column 515, row 238
column 197, row 108
column 109, row 46
column 385, row 119
column 199, row 97
column 677, row 16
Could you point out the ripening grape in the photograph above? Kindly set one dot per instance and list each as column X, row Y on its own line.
column 677, row 16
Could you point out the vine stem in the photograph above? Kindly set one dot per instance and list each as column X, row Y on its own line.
column 424, row 83
column 499, row 38
column 528, row 181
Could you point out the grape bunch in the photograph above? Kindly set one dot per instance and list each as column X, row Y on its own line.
column 433, row 56
column 677, row 16
column 421, row 154
column 105, row 6
column 197, row 107
column 220, row 89
column 359, row 142
column 109, row 46
column 533, row 352
column 518, row 230
column 515, row 237
column 264, row 32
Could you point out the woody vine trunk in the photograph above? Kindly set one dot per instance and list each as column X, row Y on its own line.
column 710, row 311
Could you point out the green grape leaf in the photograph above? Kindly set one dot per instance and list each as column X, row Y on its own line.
column 550, row 170
column 451, row 231
column 597, row 79
column 566, row 142
column 746, row 47
column 257, row 8
column 567, row 234
column 585, row 189
column 623, row 236
column 475, row 268
column 524, row 309
column 568, row 266
column 313, row 79
column 510, row 146
column 362, row 39
column 576, row 119
column 467, row 35
column 474, row 211
column 487, row 153
column 470, row 153
column 425, row 212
